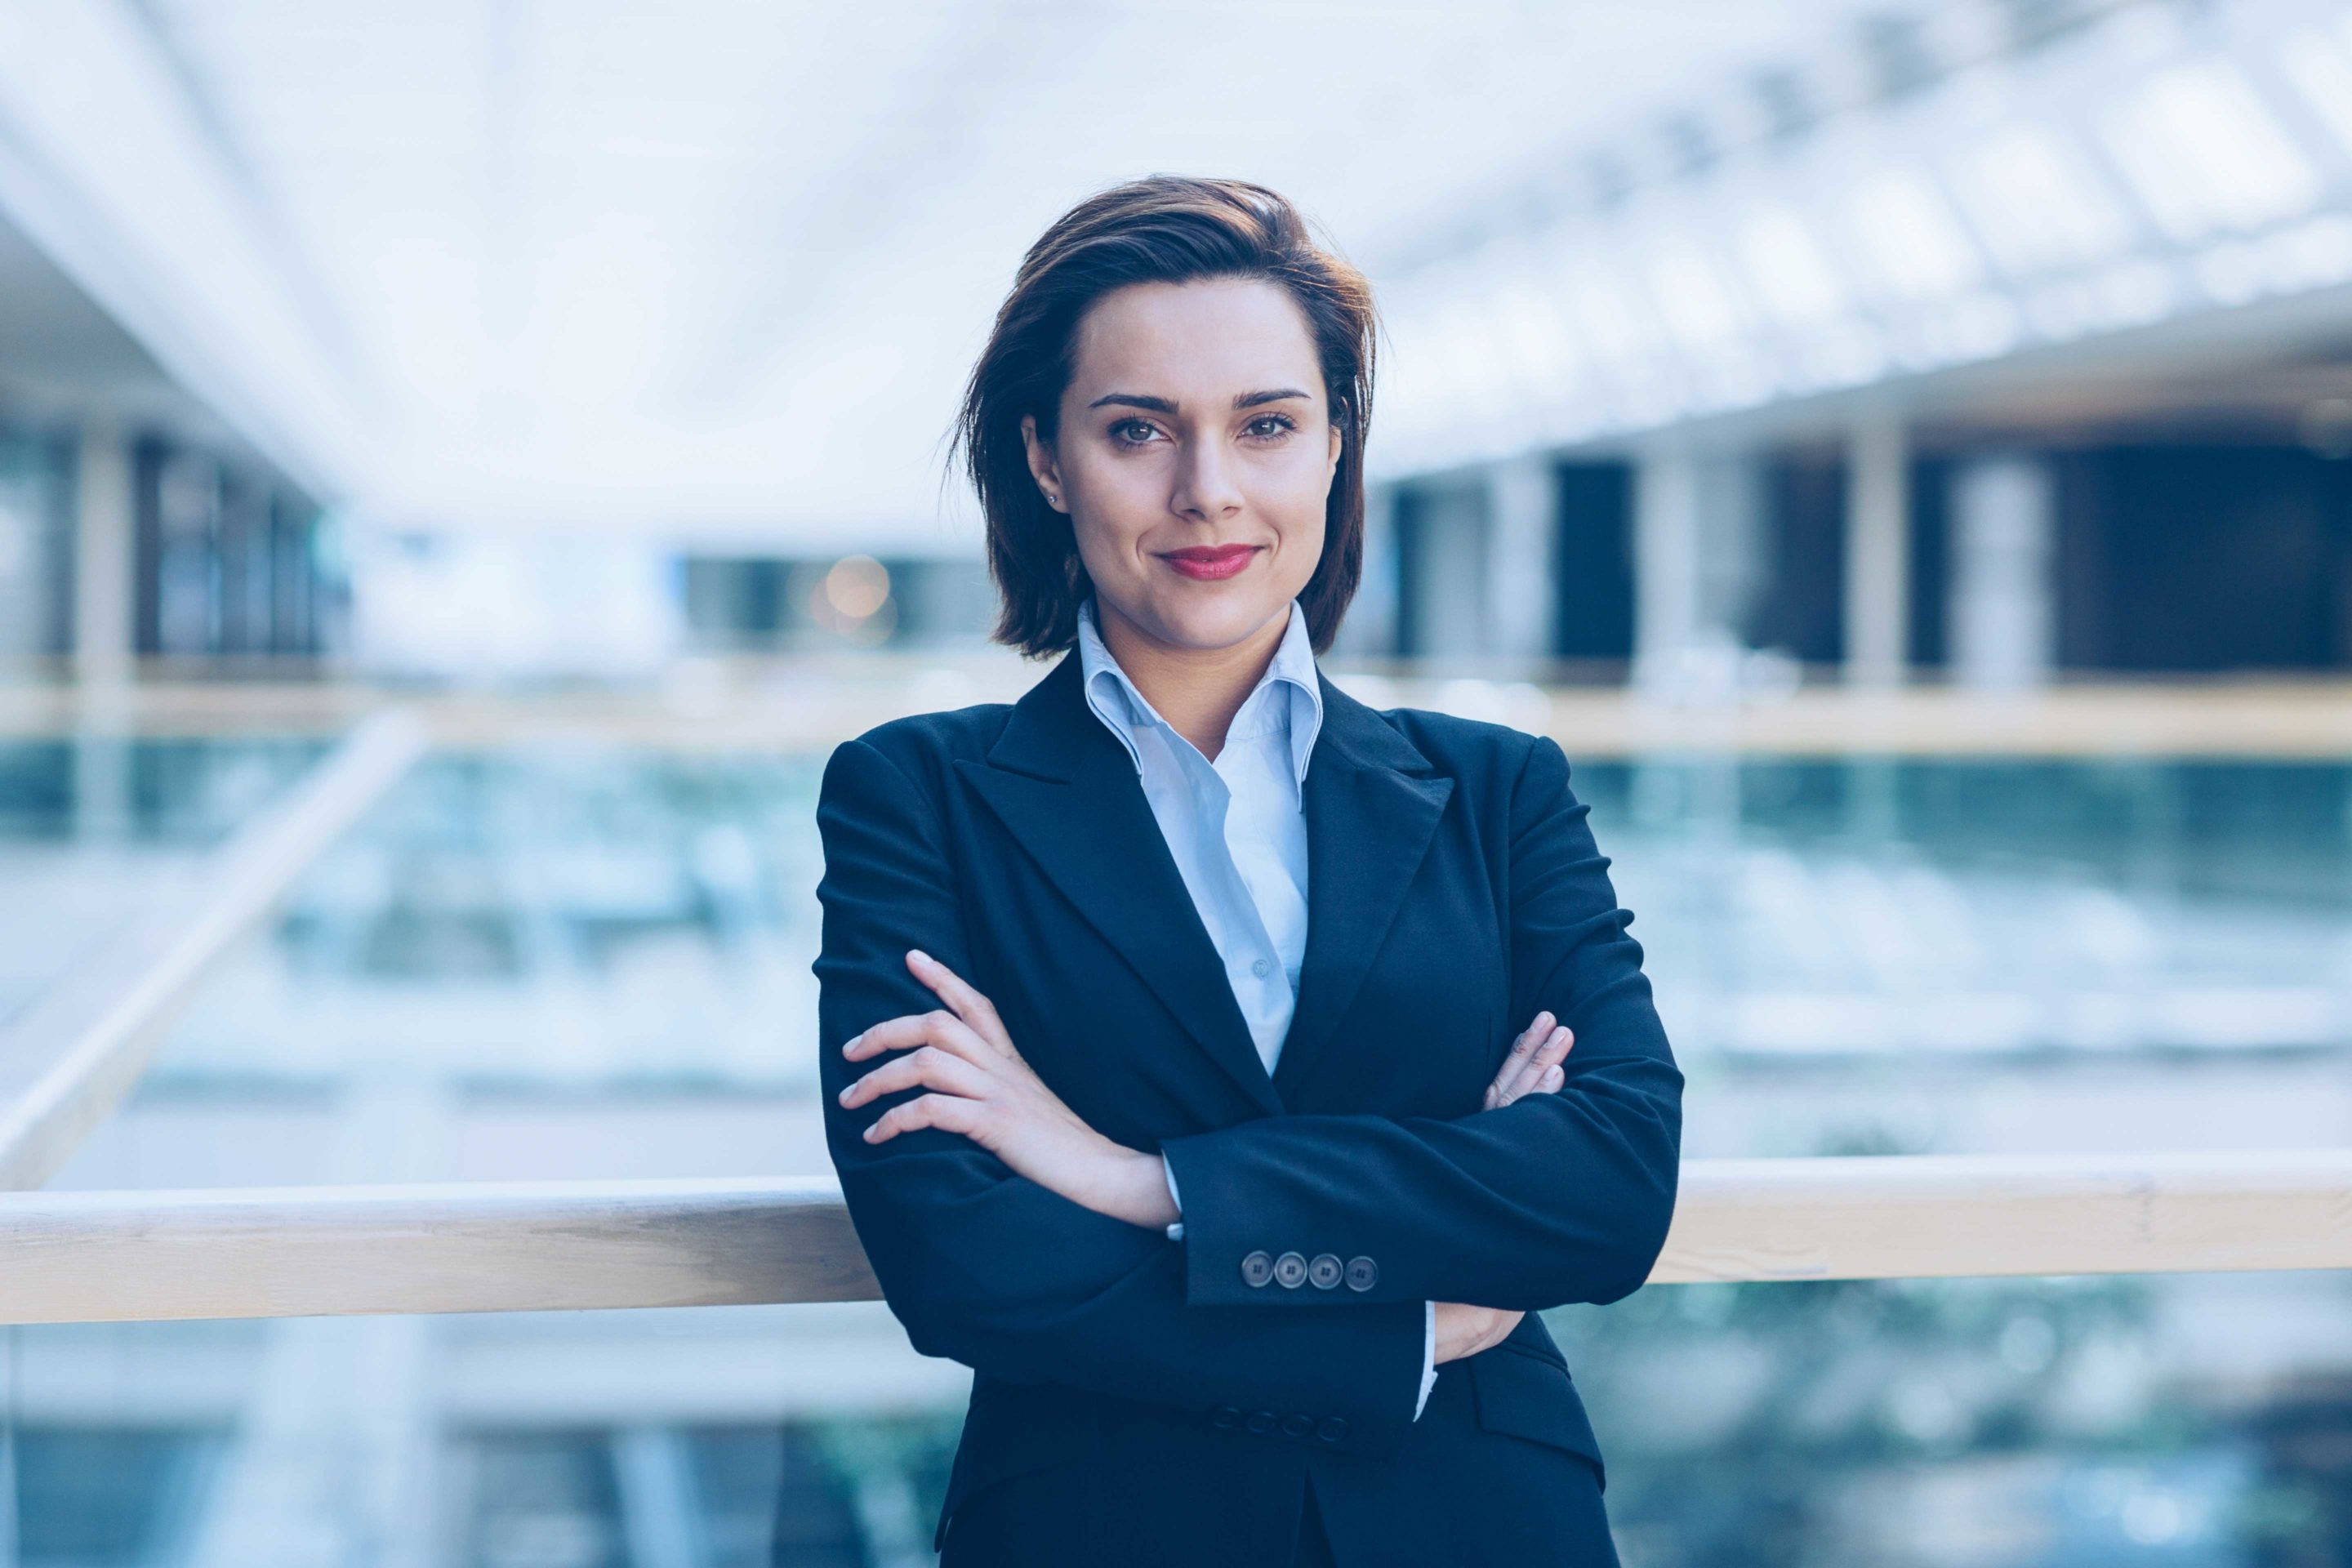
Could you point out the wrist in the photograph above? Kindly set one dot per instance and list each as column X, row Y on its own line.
column 1133, row 1188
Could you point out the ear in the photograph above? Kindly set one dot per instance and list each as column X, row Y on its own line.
column 1339, row 444
column 1042, row 466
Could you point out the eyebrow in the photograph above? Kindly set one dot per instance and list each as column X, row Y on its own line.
column 1168, row 405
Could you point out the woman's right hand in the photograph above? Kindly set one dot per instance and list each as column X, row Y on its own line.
column 1532, row 1068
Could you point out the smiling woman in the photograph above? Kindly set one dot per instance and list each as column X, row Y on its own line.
column 1239, row 1201
column 1148, row 316
column 1192, row 484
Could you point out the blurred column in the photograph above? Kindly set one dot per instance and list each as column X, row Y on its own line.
column 105, row 546
column 1665, row 564
column 1877, row 552
column 1522, row 575
column 1445, row 571
column 2004, row 525
column 105, row 634
column 1697, row 538
column 244, row 562
column 1370, row 629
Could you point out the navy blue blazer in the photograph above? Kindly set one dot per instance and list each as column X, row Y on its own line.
column 1142, row 1400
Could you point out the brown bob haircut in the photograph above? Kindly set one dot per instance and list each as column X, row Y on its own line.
column 1163, row 228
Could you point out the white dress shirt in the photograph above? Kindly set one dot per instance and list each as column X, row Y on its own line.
column 1237, row 830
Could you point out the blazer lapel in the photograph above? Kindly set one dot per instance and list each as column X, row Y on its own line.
column 1068, row 791
column 1371, row 812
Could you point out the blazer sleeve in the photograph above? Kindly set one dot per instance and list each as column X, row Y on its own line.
column 989, row 1268
column 1554, row 1198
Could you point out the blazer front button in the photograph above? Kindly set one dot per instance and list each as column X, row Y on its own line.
column 1325, row 1270
column 1362, row 1272
column 1297, row 1426
column 1290, row 1270
column 1331, row 1429
column 1261, row 1421
column 1257, row 1268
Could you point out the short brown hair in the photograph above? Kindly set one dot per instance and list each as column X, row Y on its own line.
column 1163, row 228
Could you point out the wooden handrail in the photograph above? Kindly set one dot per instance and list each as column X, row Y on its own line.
column 97, row 1257
column 70, row 1057
column 2266, row 718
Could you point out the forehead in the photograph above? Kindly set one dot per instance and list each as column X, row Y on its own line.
column 1209, row 336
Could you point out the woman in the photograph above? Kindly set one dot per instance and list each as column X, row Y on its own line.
column 1166, row 1013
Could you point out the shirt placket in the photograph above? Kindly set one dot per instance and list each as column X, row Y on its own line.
column 1266, row 971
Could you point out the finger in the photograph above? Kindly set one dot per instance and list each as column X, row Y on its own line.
column 929, row 1065
column 1523, row 1075
column 946, row 1111
column 1544, row 1072
column 1528, row 1039
column 1525, row 1070
column 937, row 1027
column 960, row 995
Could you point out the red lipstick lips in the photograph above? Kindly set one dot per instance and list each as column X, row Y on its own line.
column 1210, row 562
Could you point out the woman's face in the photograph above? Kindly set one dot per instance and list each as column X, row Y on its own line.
column 1195, row 420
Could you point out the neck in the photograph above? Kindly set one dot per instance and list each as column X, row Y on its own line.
column 1197, row 690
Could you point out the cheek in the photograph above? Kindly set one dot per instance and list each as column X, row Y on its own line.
column 1106, row 545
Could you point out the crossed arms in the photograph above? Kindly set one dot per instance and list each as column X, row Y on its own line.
column 1557, row 1197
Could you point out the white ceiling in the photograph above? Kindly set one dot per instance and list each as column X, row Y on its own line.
column 711, row 268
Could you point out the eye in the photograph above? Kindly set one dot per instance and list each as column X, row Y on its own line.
column 1119, row 439
column 1283, row 425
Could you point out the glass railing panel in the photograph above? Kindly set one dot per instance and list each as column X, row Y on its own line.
column 554, row 1440
column 2144, row 1422
column 2128, row 1420
column 591, row 961
column 97, row 831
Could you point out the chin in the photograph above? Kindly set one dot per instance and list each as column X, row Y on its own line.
column 1220, row 625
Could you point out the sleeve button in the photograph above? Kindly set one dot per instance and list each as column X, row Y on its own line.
column 1290, row 1270
column 1331, row 1429
column 1261, row 1421
column 1362, row 1273
column 1225, row 1416
column 1324, row 1272
column 1257, row 1268
column 1297, row 1426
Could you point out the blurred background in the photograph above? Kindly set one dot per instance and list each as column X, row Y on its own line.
column 1902, row 452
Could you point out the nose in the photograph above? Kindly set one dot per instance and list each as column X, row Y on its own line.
column 1205, row 489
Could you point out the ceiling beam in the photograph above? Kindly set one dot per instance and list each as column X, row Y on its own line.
column 109, row 166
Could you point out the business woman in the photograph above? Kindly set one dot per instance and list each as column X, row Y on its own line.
column 1224, row 1070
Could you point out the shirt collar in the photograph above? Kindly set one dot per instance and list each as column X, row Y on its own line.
column 1121, row 708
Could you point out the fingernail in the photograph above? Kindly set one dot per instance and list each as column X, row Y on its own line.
column 851, row 1044
column 843, row 1097
column 916, row 952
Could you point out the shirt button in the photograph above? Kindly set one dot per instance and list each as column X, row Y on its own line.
column 1257, row 1268
column 1290, row 1270
column 1260, row 967
column 1362, row 1272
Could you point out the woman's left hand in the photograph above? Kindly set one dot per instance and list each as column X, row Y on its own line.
column 982, row 1088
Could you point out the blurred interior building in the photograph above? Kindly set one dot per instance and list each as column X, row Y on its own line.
column 1902, row 451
